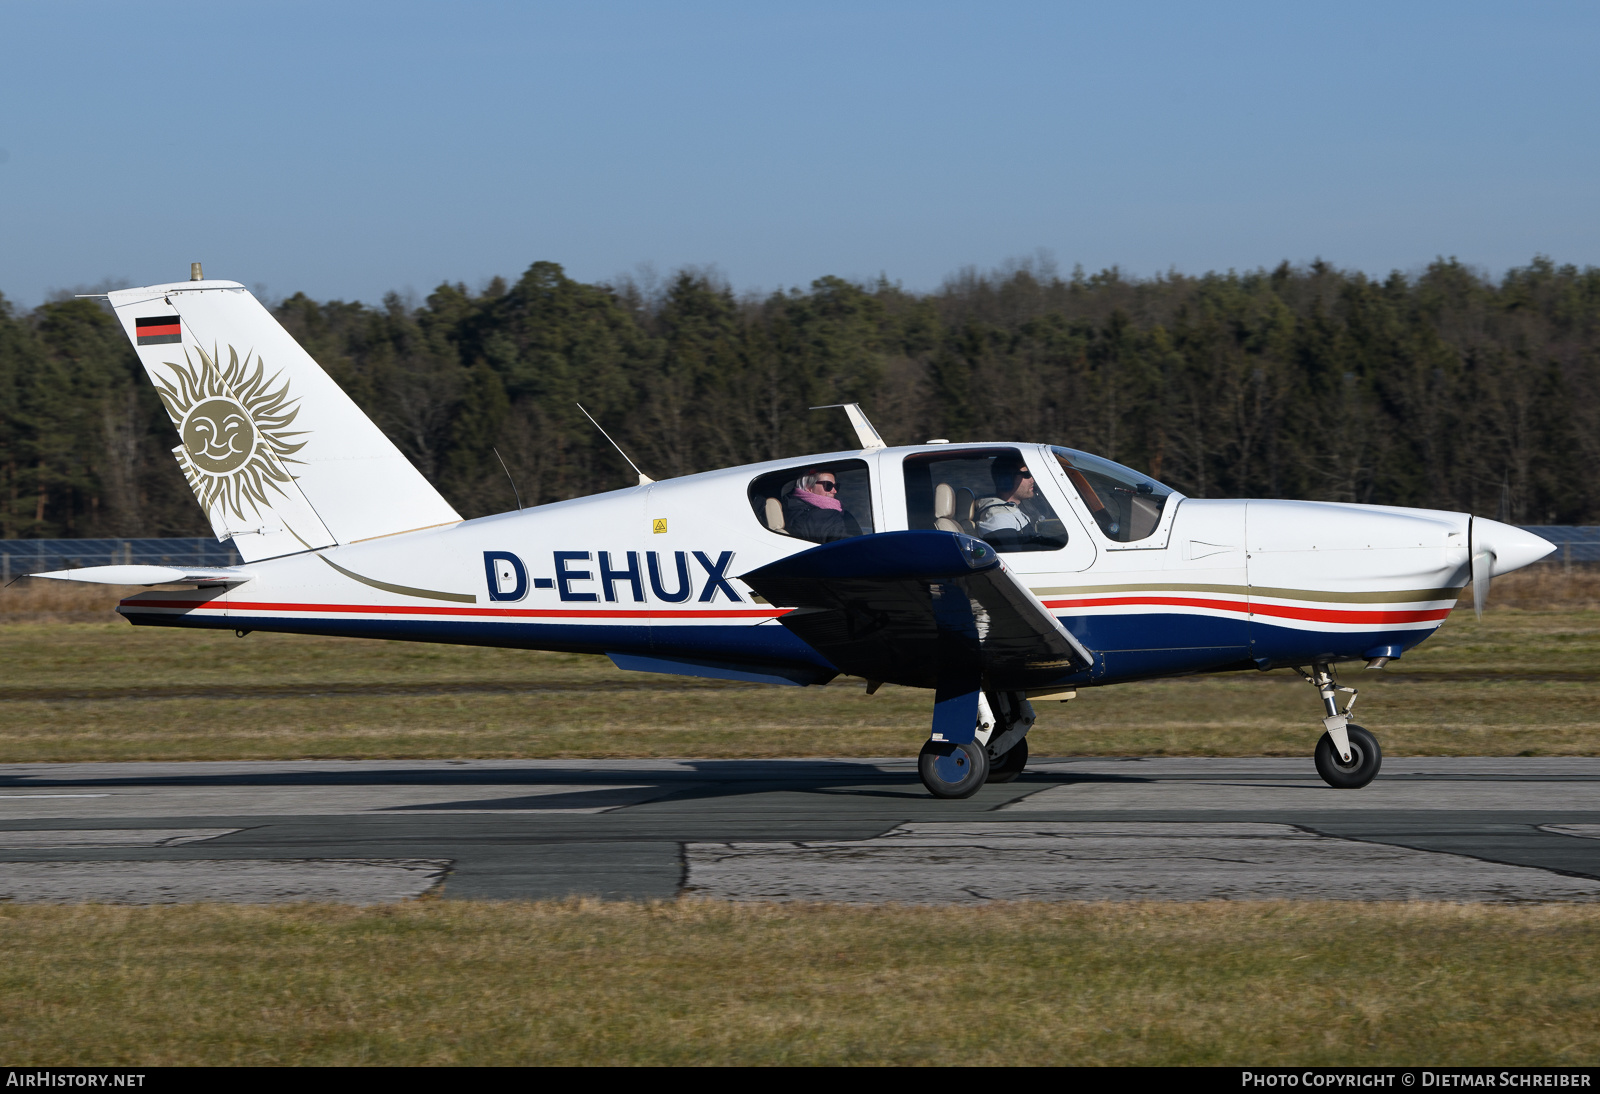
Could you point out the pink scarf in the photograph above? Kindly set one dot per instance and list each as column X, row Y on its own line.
column 821, row 501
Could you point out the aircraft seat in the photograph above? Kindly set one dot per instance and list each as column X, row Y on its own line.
column 966, row 504
column 775, row 516
column 944, row 508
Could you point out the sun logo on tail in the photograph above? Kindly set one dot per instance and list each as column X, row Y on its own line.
column 234, row 425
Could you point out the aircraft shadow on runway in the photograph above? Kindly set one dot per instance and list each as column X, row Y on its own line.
column 591, row 788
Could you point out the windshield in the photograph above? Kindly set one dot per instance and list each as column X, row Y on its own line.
column 1125, row 504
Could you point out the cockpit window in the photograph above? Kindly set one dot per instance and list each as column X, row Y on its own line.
column 986, row 492
column 1125, row 504
column 820, row 502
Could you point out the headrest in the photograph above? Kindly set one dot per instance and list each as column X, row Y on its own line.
column 944, row 500
column 775, row 515
column 966, row 502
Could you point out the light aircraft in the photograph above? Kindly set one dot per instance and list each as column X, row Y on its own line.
column 993, row 574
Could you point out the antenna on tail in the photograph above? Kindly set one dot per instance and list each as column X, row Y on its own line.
column 644, row 480
column 865, row 433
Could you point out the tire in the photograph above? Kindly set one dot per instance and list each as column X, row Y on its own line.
column 1365, row 759
column 1009, row 764
column 953, row 771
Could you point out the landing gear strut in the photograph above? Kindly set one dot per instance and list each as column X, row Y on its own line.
column 1347, row 756
column 1006, row 737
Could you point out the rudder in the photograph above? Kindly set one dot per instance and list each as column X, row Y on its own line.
column 280, row 458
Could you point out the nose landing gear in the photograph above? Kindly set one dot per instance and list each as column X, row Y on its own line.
column 1347, row 756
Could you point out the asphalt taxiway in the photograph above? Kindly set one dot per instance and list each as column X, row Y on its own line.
column 1467, row 829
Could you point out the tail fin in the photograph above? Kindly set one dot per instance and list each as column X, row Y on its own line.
column 278, row 455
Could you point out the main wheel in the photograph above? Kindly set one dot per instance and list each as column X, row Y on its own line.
column 1365, row 759
column 953, row 771
column 1009, row 764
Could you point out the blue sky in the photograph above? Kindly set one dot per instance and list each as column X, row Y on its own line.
column 347, row 149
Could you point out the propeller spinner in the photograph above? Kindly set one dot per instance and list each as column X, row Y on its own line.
column 1497, row 548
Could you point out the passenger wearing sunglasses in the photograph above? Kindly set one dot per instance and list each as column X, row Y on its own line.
column 812, row 510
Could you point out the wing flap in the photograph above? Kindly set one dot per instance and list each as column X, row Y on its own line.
column 910, row 607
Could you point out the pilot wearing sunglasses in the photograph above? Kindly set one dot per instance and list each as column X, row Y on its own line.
column 812, row 510
column 1005, row 511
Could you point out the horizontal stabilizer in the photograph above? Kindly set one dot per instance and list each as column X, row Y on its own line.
column 908, row 607
column 150, row 575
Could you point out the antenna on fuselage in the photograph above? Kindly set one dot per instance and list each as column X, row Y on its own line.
column 864, row 431
column 514, row 491
column 644, row 480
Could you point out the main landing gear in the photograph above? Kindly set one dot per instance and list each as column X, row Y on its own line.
column 952, row 770
column 996, row 752
column 1347, row 756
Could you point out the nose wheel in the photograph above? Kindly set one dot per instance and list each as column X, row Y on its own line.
column 1362, row 766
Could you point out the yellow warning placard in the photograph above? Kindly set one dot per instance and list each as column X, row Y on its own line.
column 659, row 525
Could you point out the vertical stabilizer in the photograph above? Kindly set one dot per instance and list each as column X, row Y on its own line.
column 278, row 455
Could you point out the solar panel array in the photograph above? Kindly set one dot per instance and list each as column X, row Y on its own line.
column 31, row 556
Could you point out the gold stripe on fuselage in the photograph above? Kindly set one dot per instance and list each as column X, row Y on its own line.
column 1398, row 596
column 403, row 590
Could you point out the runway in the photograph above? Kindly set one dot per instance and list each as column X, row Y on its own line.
column 1460, row 829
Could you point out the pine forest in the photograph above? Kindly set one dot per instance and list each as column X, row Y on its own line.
column 1446, row 389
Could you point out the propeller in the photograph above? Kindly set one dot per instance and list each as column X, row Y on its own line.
column 1482, row 569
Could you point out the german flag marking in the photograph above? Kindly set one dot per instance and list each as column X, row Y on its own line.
column 159, row 331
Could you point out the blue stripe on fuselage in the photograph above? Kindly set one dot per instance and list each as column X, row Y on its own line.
column 1286, row 645
column 1150, row 644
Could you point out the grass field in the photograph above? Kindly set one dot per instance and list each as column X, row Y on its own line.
column 435, row 981
column 438, row 982
column 78, row 684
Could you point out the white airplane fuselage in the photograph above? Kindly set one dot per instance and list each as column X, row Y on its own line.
column 990, row 573
column 651, row 576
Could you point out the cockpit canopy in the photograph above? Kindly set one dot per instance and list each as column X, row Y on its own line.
column 1126, row 504
column 992, row 492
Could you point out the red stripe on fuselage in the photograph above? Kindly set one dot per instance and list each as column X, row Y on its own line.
column 1310, row 615
column 1281, row 611
column 519, row 613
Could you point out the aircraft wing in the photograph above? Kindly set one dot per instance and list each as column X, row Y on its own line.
column 912, row 607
